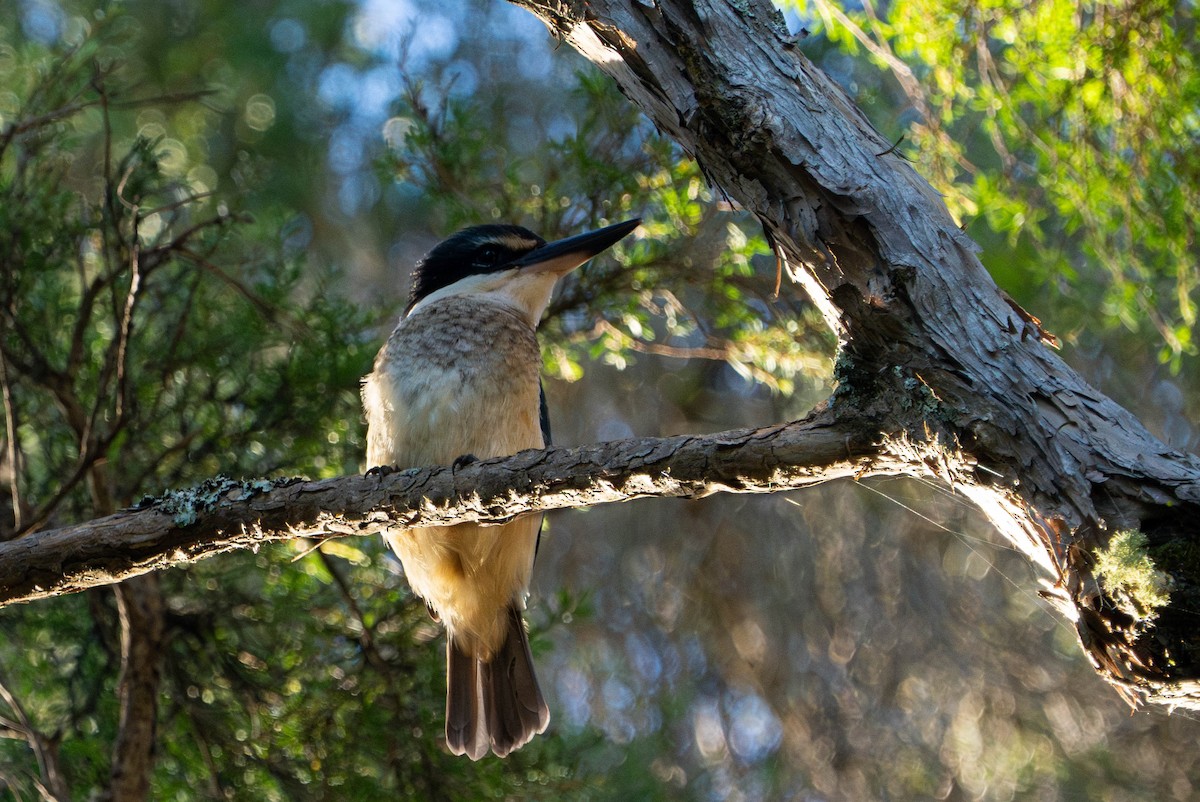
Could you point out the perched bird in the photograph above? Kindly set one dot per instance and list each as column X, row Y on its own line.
column 459, row 377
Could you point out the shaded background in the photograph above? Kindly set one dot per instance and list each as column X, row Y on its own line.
column 858, row 641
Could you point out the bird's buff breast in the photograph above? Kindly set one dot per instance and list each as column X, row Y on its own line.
column 459, row 377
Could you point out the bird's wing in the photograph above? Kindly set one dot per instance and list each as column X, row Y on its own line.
column 544, row 417
column 543, row 414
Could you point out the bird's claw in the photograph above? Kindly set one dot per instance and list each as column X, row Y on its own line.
column 463, row 461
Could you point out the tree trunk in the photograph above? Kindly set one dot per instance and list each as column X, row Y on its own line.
column 142, row 613
column 932, row 352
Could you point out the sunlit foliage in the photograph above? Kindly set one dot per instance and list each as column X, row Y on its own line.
column 171, row 312
column 695, row 283
column 1063, row 135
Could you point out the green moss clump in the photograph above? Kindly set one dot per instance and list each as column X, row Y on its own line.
column 1128, row 575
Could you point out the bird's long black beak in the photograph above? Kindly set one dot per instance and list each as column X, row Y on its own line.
column 564, row 255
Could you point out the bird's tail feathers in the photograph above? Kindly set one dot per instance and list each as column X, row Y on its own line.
column 495, row 704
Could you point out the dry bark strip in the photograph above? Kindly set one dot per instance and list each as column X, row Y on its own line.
column 931, row 351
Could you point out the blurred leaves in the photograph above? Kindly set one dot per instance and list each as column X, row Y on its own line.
column 1065, row 136
column 151, row 338
column 168, row 316
column 701, row 277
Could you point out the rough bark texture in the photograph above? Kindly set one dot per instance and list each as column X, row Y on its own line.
column 141, row 610
column 224, row 515
column 932, row 351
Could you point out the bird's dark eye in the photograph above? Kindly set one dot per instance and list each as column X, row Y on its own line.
column 488, row 256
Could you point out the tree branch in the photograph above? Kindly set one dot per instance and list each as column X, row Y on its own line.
column 186, row 526
column 51, row 785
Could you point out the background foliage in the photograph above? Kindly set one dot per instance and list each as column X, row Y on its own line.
column 207, row 211
column 1065, row 135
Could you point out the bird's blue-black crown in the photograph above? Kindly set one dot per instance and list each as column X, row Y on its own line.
column 470, row 252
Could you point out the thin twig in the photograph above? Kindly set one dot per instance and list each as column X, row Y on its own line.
column 12, row 444
column 51, row 786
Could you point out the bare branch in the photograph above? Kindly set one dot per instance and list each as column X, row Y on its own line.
column 13, row 456
column 222, row 516
column 931, row 351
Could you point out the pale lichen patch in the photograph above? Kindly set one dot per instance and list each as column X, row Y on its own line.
column 186, row 506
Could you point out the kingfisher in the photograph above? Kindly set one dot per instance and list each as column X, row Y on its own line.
column 459, row 379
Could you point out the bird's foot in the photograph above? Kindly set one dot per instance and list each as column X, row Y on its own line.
column 380, row 471
column 463, row 461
